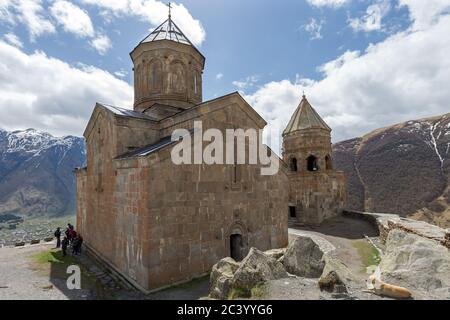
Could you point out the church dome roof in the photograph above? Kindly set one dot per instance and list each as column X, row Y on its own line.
column 305, row 117
column 168, row 30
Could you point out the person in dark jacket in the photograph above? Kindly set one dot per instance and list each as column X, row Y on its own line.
column 80, row 244
column 77, row 243
column 64, row 245
column 58, row 237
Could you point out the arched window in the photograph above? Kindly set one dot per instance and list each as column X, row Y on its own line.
column 177, row 78
column 155, row 76
column 328, row 163
column 294, row 165
column 312, row 163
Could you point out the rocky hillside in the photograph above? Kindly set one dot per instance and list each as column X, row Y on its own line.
column 403, row 169
column 36, row 172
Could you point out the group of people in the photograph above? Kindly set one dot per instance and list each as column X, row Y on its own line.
column 71, row 239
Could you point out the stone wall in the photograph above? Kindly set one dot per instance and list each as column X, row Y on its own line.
column 317, row 196
column 167, row 72
column 81, row 185
column 386, row 222
column 192, row 211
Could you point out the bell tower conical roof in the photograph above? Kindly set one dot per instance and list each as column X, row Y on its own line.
column 305, row 117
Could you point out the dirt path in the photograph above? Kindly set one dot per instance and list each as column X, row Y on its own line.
column 348, row 236
column 19, row 281
column 38, row 272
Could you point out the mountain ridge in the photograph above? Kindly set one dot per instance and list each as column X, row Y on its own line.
column 403, row 169
column 36, row 175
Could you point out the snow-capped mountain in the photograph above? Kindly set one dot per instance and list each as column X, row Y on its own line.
column 402, row 169
column 36, row 172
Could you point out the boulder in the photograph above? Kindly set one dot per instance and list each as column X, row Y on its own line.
column 221, row 276
column 331, row 282
column 304, row 256
column 417, row 263
column 336, row 277
column 275, row 253
column 256, row 269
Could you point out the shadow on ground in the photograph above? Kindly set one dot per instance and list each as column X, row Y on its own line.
column 58, row 265
column 97, row 284
column 342, row 227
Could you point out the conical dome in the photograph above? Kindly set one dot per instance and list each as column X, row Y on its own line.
column 168, row 30
column 305, row 117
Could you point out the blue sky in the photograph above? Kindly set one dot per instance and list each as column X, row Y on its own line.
column 359, row 61
column 261, row 38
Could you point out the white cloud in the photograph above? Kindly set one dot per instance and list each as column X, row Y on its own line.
column 73, row 19
column 29, row 12
column 328, row 3
column 102, row 44
column 46, row 93
column 424, row 13
column 11, row 38
column 403, row 77
column 121, row 73
column 314, row 28
column 328, row 68
column 219, row 76
column 36, row 19
column 371, row 21
column 246, row 83
column 154, row 12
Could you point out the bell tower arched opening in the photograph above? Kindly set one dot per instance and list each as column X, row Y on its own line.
column 312, row 163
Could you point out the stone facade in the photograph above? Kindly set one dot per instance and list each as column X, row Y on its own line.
column 156, row 223
column 159, row 224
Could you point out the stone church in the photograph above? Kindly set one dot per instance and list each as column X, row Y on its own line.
column 155, row 223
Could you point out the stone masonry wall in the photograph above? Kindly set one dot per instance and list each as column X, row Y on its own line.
column 317, row 195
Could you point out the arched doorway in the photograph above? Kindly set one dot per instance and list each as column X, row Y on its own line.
column 328, row 163
column 312, row 163
column 236, row 247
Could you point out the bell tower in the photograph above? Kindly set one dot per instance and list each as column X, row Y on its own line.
column 167, row 69
column 316, row 191
column 307, row 140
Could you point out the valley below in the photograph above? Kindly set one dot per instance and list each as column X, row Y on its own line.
column 27, row 229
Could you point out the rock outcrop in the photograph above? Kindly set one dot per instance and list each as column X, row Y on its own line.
column 336, row 277
column 417, row 263
column 221, row 277
column 256, row 269
column 311, row 268
column 305, row 256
